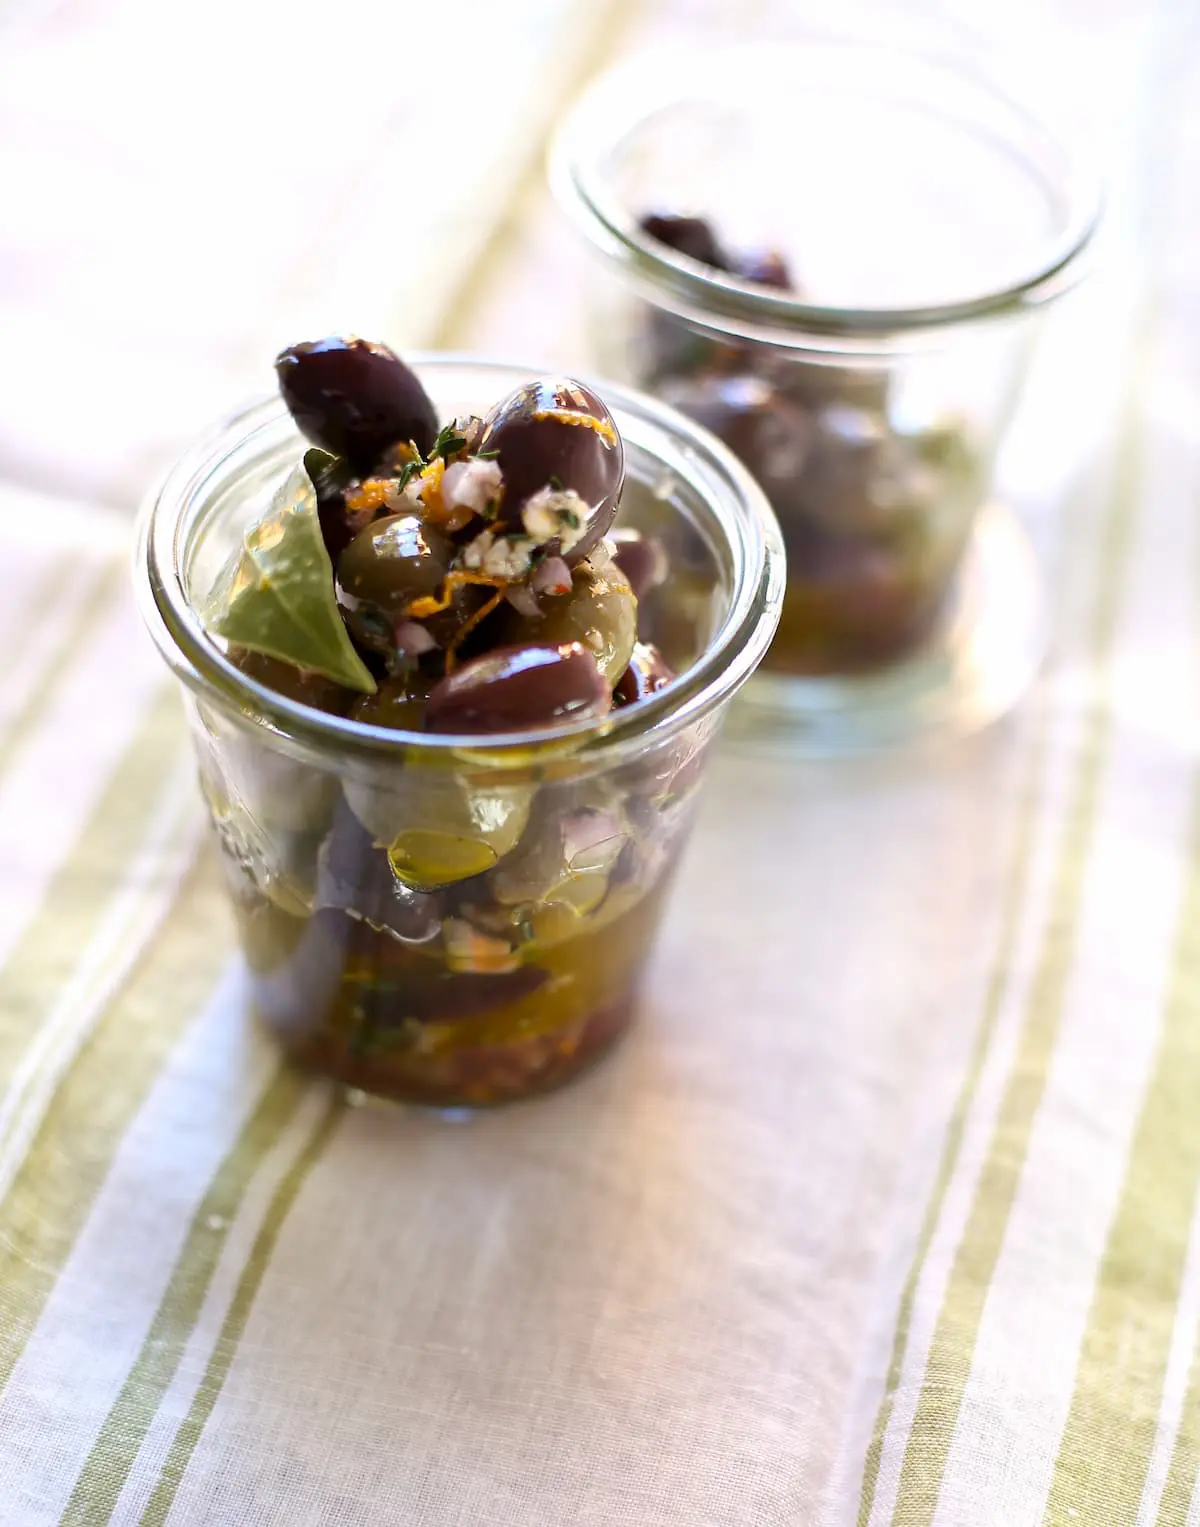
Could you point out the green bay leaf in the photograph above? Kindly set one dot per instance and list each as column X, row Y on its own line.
column 277, row 594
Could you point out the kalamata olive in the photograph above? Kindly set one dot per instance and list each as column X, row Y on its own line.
column 814, row 386
column 557, row 434
column 690, row 236
column 516, row 688
column 640, row 558
column 855, row 473
column 852, row 602
column 648, row 672
column 354, row 398
column 331, row 477
column 768, row 432
column 765, row 267
column 389, row 564
column 296, row 683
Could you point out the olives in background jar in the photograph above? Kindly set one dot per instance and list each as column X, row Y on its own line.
column 354, row 398
column 767, row 431
column 557, row 434
column 690, row 236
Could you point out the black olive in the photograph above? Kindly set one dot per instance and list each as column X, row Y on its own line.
column 765, row 267
column 690, row 236
column 516, row 688
column 770, row 434
column 648, row 672
column 557, row 434
column 354, row 398
column 642, row 560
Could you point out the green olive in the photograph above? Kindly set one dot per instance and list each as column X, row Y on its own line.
column 399, row 702
column 600, row 611
column 389, row 564
column 439, row 827
column 563, row 858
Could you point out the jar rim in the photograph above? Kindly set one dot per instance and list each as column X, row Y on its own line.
column 740, row 510
column 626, row 95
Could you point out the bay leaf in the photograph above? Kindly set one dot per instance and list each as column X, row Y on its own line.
column 277, row 593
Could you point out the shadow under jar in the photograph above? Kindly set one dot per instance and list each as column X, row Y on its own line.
column 459, row 920
column 834, row 257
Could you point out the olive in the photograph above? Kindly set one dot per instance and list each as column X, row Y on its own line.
column 599, row 612
column 765, row 267
column 690, row 236
column 648, row 672
column 767, row 431
column 564, row 857
column 515, row 688
column 814, row 386
column 389, row 564
column 355, row 877
column 436, row 826
column 398, row 702
column 852, row 603
column 854, row 474
column 641, row 559
column 557, row 434
column 332, row 478
column 354, row 398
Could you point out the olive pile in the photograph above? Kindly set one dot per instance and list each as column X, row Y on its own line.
column 471, row 566
column 874, row 518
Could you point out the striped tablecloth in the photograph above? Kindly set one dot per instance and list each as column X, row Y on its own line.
column 888, row 1212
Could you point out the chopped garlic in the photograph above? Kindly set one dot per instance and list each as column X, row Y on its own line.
column 555, row 514
column 505, row 557
column 471, row 485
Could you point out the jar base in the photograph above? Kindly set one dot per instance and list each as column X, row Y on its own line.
column 561, row 1059
column 981, row 658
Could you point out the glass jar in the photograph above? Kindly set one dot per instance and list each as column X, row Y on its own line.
column 889, row 231
column 443, row 919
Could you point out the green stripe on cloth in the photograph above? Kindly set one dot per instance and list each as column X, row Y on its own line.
column 57, row 1184
column 76, row 901
column 54, row 663
column 952, row 1351
column 115, row 1450
column 225, row 1350
column 1016, row 881
column 1184, row 1467
column 1106, row 1447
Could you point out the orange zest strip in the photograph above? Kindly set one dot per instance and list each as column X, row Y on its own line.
column 468, row 626
column 434, row 604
